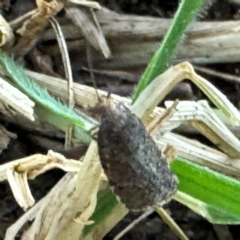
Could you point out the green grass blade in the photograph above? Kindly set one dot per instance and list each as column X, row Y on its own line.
column 43, row 99
column 105, row 204
column 210, row 194
column 212, row 213
column 219, row 194
column 185, row 14
column 62, row 123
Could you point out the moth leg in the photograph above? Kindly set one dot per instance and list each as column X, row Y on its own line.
column 170, row 222
column 163, row 214
column 149, row 211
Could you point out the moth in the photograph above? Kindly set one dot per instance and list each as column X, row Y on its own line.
column 132, row 161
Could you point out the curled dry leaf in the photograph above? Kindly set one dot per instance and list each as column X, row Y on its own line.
column 64, row 212
column 6, row 34
column 19, row 171
column 161, row 86
column 201, row 116
column 29, row 28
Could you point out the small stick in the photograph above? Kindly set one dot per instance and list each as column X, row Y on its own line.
column 224, row 76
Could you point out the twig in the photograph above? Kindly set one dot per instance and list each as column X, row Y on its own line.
column 224, row 76
column 159, row 120
column 86, row 3
column 148, row 32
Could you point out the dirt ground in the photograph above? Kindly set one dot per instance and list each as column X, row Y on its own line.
column 152, row 227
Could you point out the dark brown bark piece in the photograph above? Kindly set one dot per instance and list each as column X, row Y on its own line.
column 132, row 161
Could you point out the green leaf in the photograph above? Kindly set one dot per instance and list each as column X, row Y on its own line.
column 51, row 109
column 219, row 194
column 185, row 14
column 105, row 205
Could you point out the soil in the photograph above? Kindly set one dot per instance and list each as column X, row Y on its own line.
column 194, row 226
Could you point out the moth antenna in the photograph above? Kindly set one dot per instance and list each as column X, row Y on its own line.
column 109, row 93
column 90, row 67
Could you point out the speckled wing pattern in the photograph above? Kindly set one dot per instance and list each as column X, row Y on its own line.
column 132, row 161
